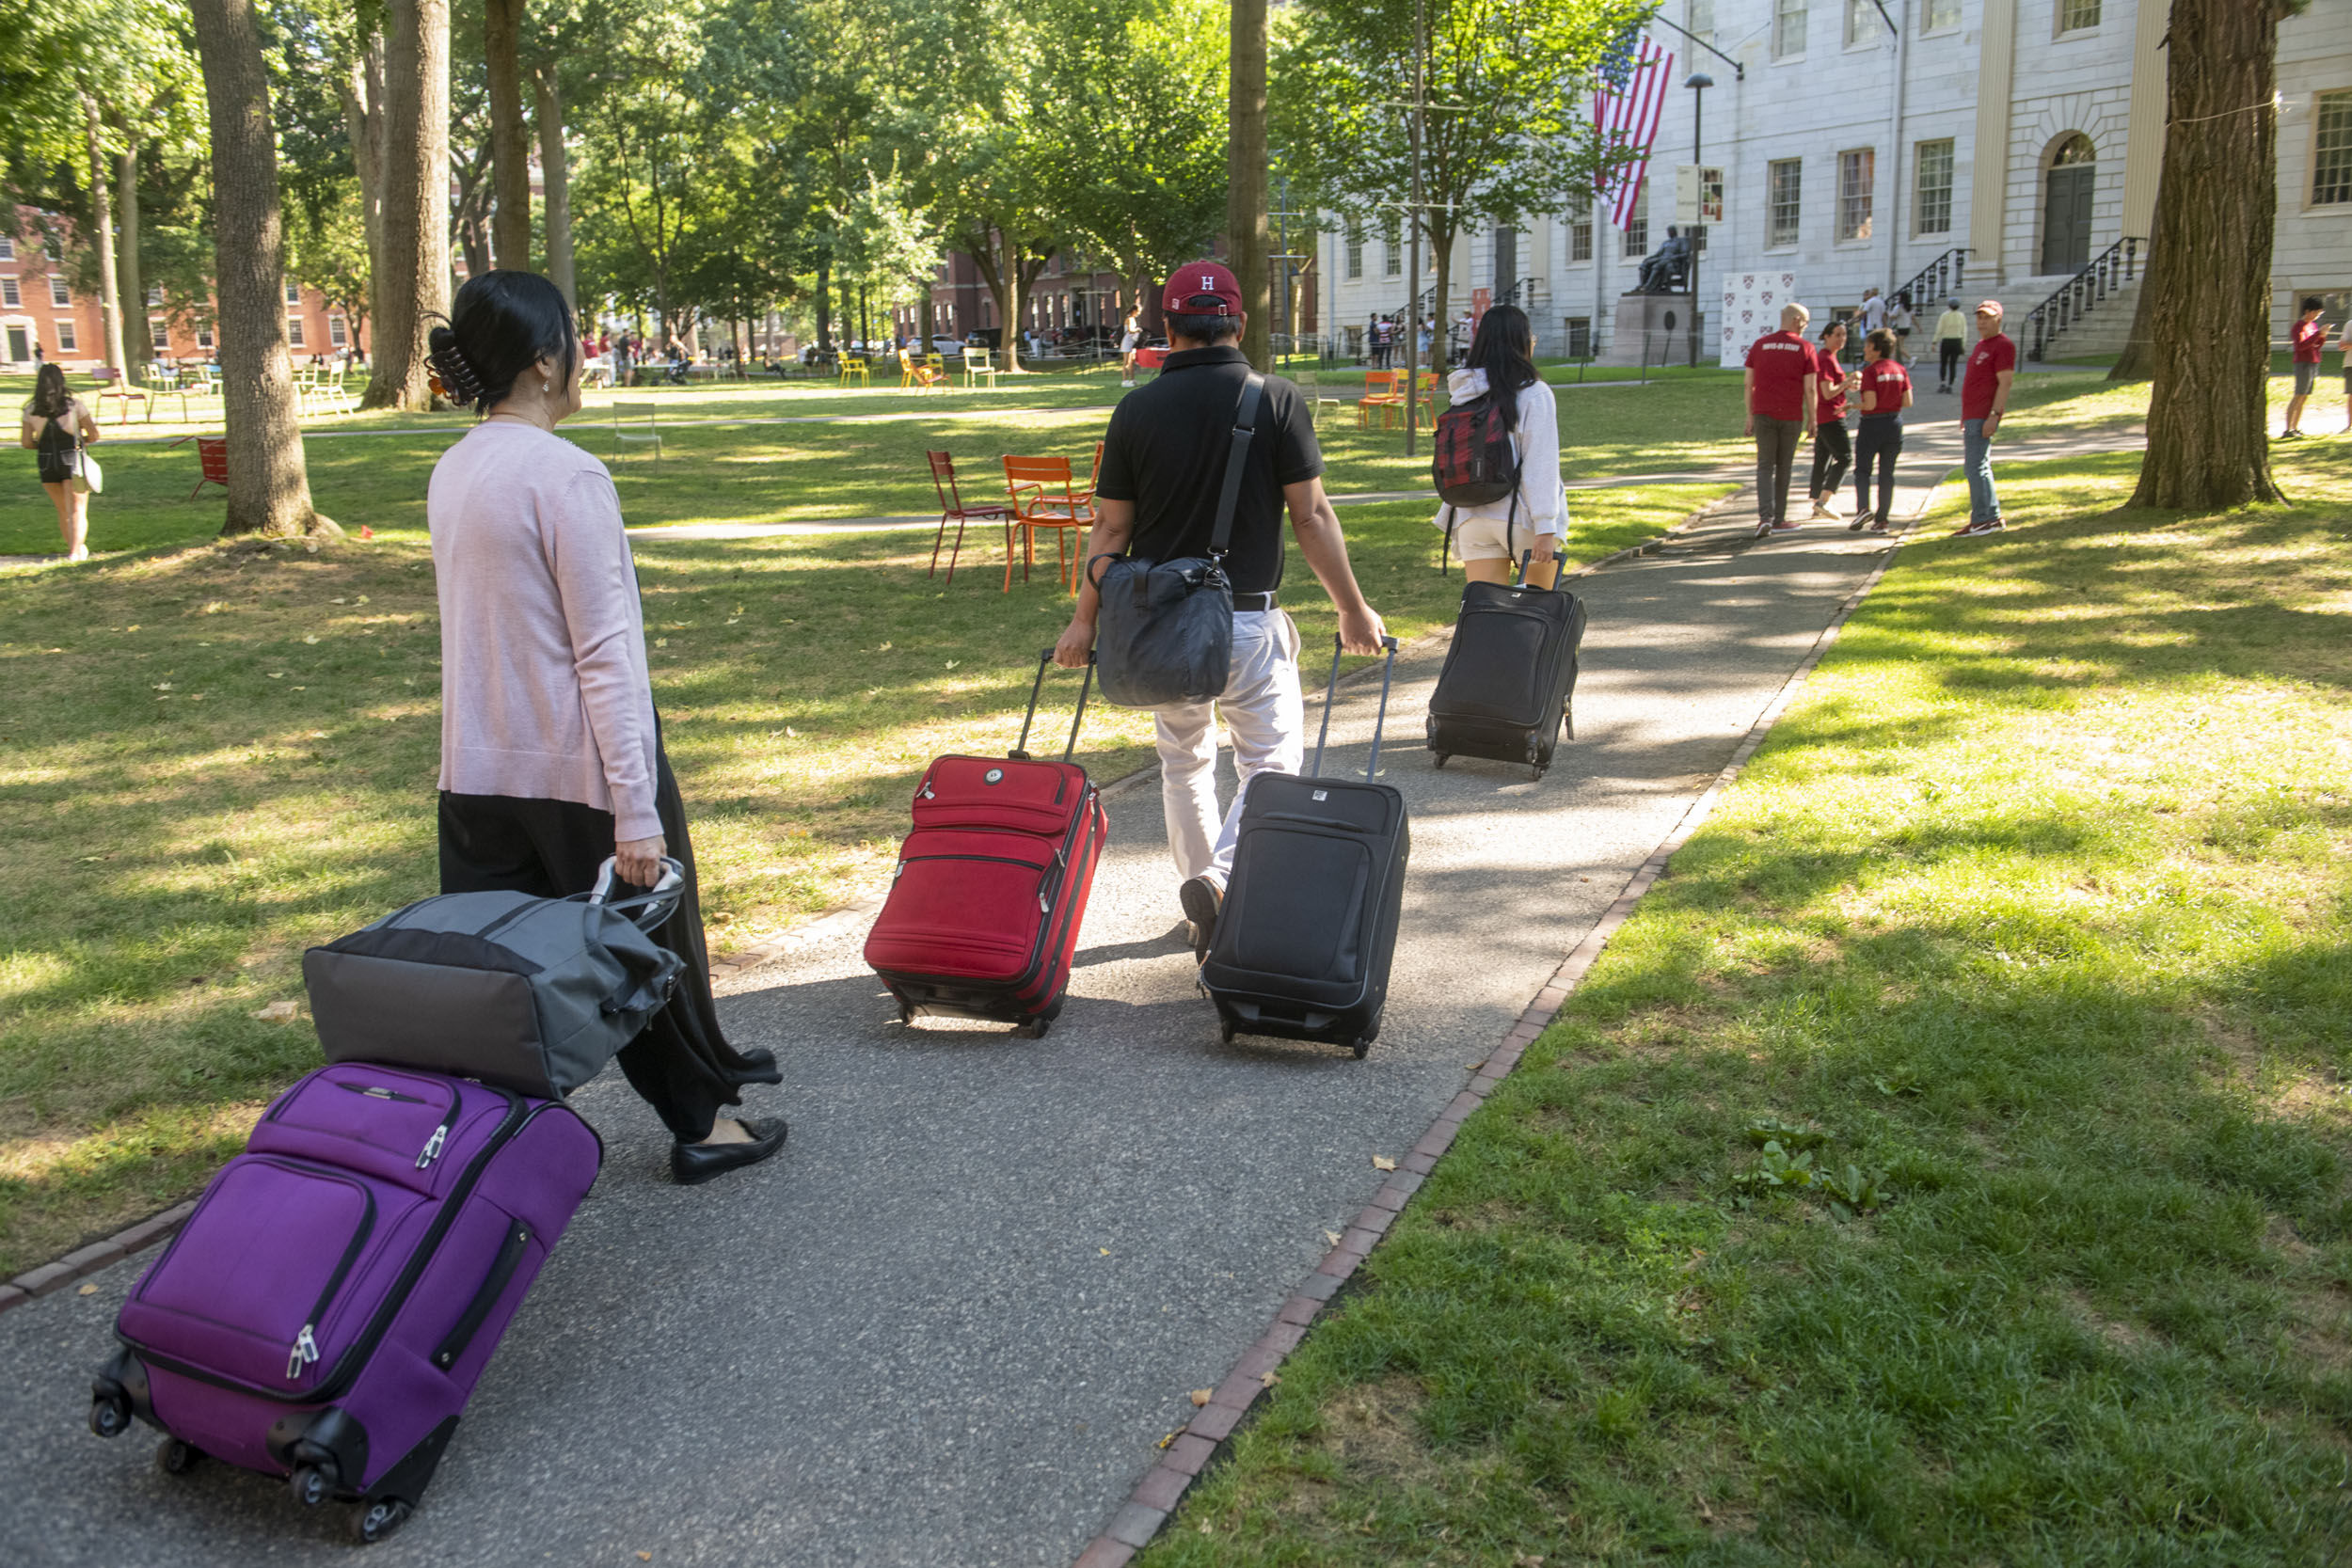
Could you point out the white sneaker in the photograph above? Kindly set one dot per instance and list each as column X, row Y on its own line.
column 1823, row 509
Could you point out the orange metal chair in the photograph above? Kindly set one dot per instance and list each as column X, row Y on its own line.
column 1046, row 495
column 1384, row 390
column 952, row 507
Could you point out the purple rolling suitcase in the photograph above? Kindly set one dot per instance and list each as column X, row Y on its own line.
column 327, row 1308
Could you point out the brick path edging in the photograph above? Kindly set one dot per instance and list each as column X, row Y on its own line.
column 1155, row 1499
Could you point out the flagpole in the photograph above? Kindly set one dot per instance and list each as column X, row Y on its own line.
column 1412, row 233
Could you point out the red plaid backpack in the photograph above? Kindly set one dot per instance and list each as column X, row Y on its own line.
column 1474, row 462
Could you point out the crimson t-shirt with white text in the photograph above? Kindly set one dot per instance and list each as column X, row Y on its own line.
column 1829, row 398
column 2309, row 338
column 1890, row 382
column 1781, row 361
column 1986, row 362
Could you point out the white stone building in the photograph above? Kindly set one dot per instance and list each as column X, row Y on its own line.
column 1854, row 155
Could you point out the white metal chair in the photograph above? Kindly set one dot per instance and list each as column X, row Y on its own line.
column 622, row 434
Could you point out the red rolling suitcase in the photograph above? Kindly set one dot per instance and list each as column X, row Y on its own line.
column 983, row 912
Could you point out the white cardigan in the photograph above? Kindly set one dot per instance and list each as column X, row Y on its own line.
column 1543, row 499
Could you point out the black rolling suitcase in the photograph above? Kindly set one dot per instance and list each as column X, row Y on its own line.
column 1508, row 688
column 1309, row 928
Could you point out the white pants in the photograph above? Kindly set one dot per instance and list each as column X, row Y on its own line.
column 1266, row 718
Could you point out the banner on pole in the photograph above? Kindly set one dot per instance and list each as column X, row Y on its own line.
column 1698, row 194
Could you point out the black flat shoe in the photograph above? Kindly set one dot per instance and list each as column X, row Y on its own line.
column 758, row 1059
column 1203, row 901
column 691, row 1163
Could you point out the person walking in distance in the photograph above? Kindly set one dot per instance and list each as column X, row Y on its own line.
column 2343, row 348
column 1899, row 321
column 1130, row 340
column 1164, row 458
column 1951, row 343
column 2307, row 336
column 1832, row 455
column 1488, row 536
column 1884, row 389
column 55, row 427
column 551, row 753
column 1780, row 384
column 1873, row 310
column 1983, row 398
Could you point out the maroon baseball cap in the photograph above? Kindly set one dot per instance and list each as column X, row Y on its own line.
column 1201, row 288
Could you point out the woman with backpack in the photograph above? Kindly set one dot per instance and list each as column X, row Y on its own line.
column 1490, row 536
column 551, row 753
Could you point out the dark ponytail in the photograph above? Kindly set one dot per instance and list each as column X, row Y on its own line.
column 501, row 325
column 1504, row 348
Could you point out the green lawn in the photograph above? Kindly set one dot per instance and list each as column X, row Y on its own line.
column 216, row 756
column 1948, row 1163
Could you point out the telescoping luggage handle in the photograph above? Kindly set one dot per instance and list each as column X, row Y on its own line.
column 1388, row 674
column 1045, row 662
column 652, row 907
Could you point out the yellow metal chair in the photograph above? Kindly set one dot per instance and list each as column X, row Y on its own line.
column 855, row 365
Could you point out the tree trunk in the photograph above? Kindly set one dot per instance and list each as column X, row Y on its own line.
column 138, row 344
column 2209, row 307
column 555, row 172
column 510, row 138
column 824, row 302
column 362, row 89
column 1441, row 283
column 269, row 488
column 1245, row 175
column 102, row 209
column 1008, row 302
column 414, row 286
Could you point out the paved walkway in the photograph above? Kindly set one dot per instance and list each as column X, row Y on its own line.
column 951, row 1323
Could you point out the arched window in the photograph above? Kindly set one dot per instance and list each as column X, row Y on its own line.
column 2067, row 188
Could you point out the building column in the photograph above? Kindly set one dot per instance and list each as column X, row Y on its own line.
column 1988, row 189
column 2143, row 138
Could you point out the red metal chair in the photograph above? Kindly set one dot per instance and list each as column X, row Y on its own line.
column 211, row 461
column 951, row 507
column 1033, row 483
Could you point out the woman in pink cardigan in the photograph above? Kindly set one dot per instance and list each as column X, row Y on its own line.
column 551, row 755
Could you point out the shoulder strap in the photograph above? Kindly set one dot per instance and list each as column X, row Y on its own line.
column 1236, row 458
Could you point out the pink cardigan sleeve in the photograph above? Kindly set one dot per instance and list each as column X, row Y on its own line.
column 594, row 574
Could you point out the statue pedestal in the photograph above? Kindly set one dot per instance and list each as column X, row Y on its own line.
column 1641, row 329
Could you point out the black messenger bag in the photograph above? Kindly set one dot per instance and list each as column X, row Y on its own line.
column 1166, row 634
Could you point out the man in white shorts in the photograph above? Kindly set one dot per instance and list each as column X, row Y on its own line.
column 1163, row 463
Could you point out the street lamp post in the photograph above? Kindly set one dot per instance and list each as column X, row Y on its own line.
column 1698, row 82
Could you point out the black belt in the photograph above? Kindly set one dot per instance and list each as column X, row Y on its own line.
column 1254, row 601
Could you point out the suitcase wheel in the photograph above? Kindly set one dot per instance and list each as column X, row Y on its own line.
column 906, row 1013
column 1033, row 1030
column 1361, row 1047
column 1226, row 1032
column 111, row 1414
column 311, row 1485
column 176, row 1458
column 1444, row 757
column 372, row 1522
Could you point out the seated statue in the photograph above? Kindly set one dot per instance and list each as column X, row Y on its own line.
column 1667, row 269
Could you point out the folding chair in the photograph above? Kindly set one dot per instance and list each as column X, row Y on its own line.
column 622, row 436
column 951, row 507
column 1041, row 508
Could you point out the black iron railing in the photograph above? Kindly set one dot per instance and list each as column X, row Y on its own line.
column 1521, row 293
column 2081, row 293
column 1942, row 278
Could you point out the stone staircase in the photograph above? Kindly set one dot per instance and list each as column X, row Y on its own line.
column 2102, row 331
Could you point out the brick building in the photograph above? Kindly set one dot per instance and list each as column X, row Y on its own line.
column 40, row 305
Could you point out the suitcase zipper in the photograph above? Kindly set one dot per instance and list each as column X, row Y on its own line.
column 306, row 1348
column 374, row 1093
column 433, row 1146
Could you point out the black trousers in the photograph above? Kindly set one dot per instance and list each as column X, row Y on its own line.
column 1775, row 463
column 1878, row 442
column 682, row 1063
column 1832, row 455
column 1950, row 363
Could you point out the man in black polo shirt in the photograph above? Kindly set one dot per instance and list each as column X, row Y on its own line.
column 1163, row 463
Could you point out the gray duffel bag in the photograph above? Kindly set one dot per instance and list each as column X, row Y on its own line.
column 530, row 994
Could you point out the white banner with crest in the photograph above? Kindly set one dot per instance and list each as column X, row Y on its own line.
column 1751, row 306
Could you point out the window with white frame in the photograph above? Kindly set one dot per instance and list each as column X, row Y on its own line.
column 1355, row 254
column 1933, row 180
column 60, row 292
column 1862, row 22
column 159, row 333
column 2075, row 15
column 9, row 294
column 293, row 291
column 1637, row 228
column 1854, row 172
column 293, row 331
column 1393, row 246
column 1784, row 198
column 66, row 343
column 8, row 248
column 204, row 338
column 1700, row 19
column 1942, row 14
column 337, row 334
column 1580, row 234
column 1787, row 28
column 2331, row 149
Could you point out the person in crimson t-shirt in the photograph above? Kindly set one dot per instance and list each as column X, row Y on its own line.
column 1780, row 381
column 1885, row 391
column 2309, row 335
column 1833, row 455
column 1983, row 398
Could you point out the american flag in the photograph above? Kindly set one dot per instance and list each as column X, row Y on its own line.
column 1626, row 106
